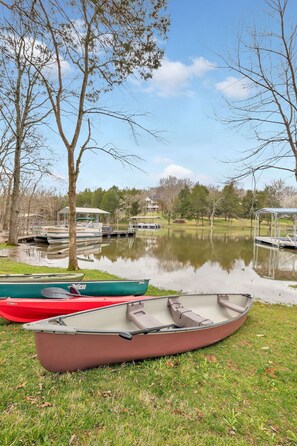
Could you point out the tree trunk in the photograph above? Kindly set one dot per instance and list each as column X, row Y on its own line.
column 72, row 263
column 7, row 202
column 212, row 219
column 15, row 196
column 29, row 207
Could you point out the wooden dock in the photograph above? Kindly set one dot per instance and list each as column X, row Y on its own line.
column 117, row 234
column 30, row 238
column 279, row 242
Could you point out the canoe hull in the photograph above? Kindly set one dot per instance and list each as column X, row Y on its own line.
column 64, row 353
column 86, row 288
column 31, row 310
column 132, row 331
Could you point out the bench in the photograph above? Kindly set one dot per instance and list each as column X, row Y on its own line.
column 137, row 314
column 185, row 317
column 223, row 299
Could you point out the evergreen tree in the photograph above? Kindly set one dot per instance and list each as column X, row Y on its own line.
column 198, row 201
column 182, row 203
column 230, row 204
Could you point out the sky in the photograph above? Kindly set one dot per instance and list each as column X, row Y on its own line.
column 181, row 102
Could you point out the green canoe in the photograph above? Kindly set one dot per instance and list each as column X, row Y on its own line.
column 41, row 277
column 88, row 288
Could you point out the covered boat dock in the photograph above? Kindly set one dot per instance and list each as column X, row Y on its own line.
column 81, row 214
column 279, row 237
column 144, row 222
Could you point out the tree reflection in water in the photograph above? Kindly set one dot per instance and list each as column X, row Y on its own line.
column 184, row 261
column 176, row 250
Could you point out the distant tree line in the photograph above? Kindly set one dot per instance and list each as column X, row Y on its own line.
column 183, row 200
column 178, row 200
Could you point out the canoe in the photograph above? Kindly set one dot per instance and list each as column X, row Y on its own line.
column 30, row 310
column 145, row 328
column 30, row 290
column 42, row 277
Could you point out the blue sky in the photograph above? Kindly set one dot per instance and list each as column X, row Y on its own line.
column 181, row 101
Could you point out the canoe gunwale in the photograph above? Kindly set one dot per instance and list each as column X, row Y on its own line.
column 20, row 279
column 82, row 282
column 46, row 326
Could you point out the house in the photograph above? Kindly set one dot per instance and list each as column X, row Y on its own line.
column 151, row 205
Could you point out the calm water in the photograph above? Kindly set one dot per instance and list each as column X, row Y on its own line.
column 187, row 262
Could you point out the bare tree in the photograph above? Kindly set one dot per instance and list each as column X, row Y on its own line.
column 6, row 177
column 91, row 48
column 167, row 192
column 265, row 64
column 7, row 5
column 6, row 186
column 22, row 109
column 214, row 199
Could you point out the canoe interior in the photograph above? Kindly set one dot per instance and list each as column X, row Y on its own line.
column 114, row 319
column 40, row 277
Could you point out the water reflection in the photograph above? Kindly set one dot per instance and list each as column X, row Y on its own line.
column 274, row 263
column 177, row 250
column 84, row 251
column 187, row 262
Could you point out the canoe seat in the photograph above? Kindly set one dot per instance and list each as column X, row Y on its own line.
column 223, row 299
column 137, row 314
column 185, row 317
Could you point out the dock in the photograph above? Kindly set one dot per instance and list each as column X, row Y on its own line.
column 117, row 234
column 33, row 238
column 279, row 242
column 280, row 236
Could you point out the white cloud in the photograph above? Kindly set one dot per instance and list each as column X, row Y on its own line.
column 174, row 170
column 174, row 78
column 37, row 52
column 233, row 88
column 180, row 172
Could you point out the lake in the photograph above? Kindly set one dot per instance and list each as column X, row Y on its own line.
column 189, row 262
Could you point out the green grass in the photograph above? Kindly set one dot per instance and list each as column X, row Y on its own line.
column 235, row 226
column 221, row 226
column 241, row 391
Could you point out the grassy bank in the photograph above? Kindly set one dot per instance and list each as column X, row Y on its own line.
column 241, row 391
column 234, row 226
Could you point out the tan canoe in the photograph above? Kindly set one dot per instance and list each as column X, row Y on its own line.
column 137, row 330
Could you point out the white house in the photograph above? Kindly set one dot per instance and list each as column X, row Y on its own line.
column 151, row 205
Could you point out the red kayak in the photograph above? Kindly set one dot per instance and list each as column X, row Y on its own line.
column 31, row 310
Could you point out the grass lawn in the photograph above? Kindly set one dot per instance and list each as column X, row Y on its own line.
column 235, row 226
column 241, row 391
column 221, row 226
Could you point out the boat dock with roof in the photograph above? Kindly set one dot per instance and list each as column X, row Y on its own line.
column 279, row 237
column 144, row 222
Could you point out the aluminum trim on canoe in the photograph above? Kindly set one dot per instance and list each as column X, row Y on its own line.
column 46, row 326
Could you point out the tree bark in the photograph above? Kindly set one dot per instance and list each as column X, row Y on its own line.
column 7, row 201
column 72, row 264
column 15, row 197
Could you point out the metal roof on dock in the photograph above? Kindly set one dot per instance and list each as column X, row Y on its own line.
column 278, row 211
column 83, row 211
